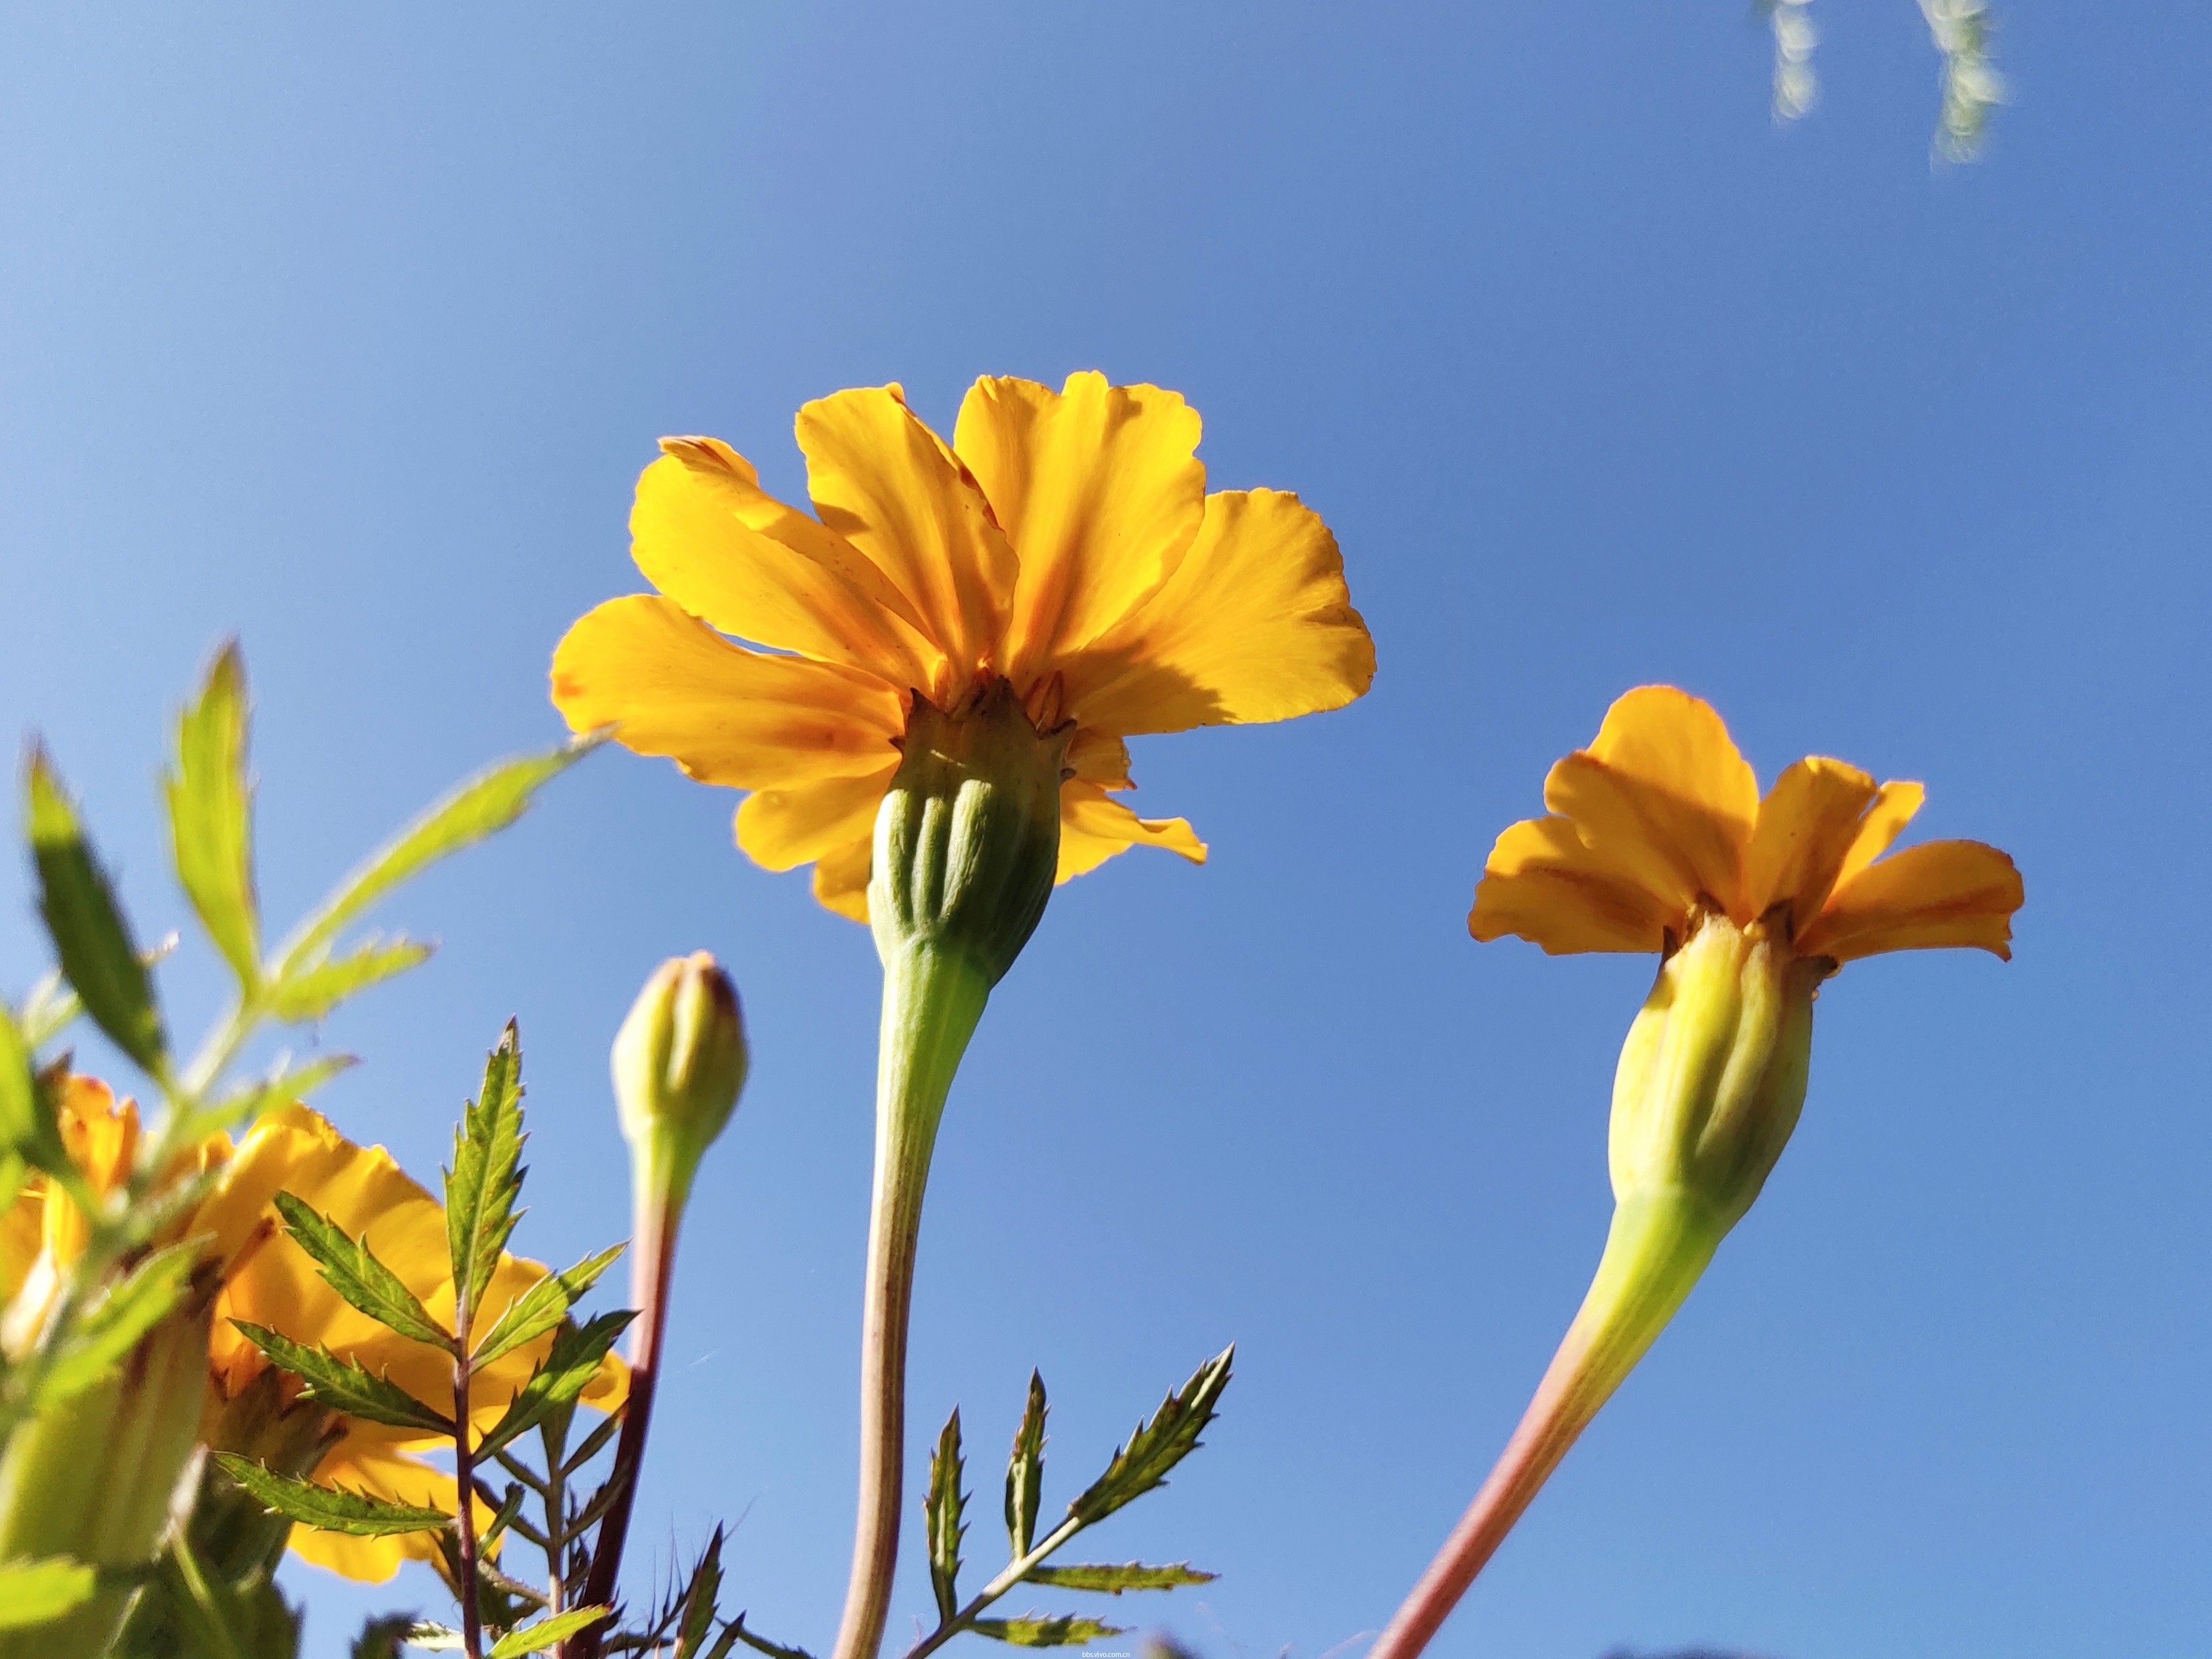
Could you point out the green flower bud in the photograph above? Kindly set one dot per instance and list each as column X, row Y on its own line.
column 968, row 837
column 679, row 1064
column 98, row 1477
column 1712, row 1076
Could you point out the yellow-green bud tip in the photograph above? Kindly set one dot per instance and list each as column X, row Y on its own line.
column 679, row 1064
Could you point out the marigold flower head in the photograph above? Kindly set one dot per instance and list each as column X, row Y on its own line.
column 1062, row 545
column 268, row 1279
column 1660, row 823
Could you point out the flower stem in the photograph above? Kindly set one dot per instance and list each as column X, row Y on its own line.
column 652, row 1267
column 465, row 1519
column 933, row 995
column 1659, row 1244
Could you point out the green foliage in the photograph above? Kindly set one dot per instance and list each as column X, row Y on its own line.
column 542, row 1306
column 86, row 922
column 761, row 1643
column 567, row 1372
column 313, row 991
column 383, row 1638
column 326, row 1508
column 350, row 1268
column 344, row 1385
column 210, row 805
column 281, row 1088
column 1026, row 1471
column 697, row 1622
column 943, row 1507
column 1113, row 1580
column 486, row 1178
column 535, row 1638
column 490, row 801
column 37, row 1592
column 1158, row 1444
column 29, row 1128
column 97, row 1343
column 1034, row 1632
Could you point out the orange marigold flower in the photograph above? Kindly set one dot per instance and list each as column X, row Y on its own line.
column 1660, row 823
column 1062, row 545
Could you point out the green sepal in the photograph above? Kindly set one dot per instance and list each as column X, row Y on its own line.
column 535, row 1638
column 1026, row 1471
column 567, row 1372
column 312, row 990
column 486, row 1178
column 327, row 1509
column 344, row 1385
column 210, row 805
column 542, row 1306
column 1160, row 1444
column 1113, row 1580
column 111, row 1328
column 90, row 936
column 1033, row 1632
column 942, row 1509
column 350, row 1268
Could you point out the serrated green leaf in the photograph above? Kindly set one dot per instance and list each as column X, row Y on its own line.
column 342, row 1384
column 487, row 1175
column 326, row 1508
column 110, row 1329
column 281, row 1089
column 37, row 1592
column 1160, row 1443
column 535, row 1638
column 89, row 934
column 542, row 1306
column 352, row 1270
column 1044, row 1632
column 510, row 1507
column 567, row 1372
column 761, row 1643
column 489, row 802
column 312, row 990
column 942, row 1509
column 697, row 1623
column 434, row 1638
column 30, row 1128
column 1113, row 1580
column 382, row 1638
column 1026, row 1471
column 210, row 805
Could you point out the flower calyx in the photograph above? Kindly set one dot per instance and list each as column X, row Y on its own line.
column 679, row 1064
column 967, row 839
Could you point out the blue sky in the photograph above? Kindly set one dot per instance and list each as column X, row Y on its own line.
column 348, row 332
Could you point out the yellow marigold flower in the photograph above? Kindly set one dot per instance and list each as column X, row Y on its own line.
column 1660, row 823
column 268, row 1281
column 1063, row 544
column 1658, row 839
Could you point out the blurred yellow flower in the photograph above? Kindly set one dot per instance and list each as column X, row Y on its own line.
column 1063, row 544
column 1660, row 823
column 268, row 1281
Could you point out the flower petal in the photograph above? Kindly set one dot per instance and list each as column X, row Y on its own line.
column 1885, row 819
column 782, row 829
column 1097, row 758
column 1664, row 792
column 706, row 534
column 672, row 686
column 840, row 878
column 888, row 485
column 1807, row 824
column 1094, row 827
column 1100, row 492
column 1937, row 894
column 1255, row 624
column 1544, row 883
